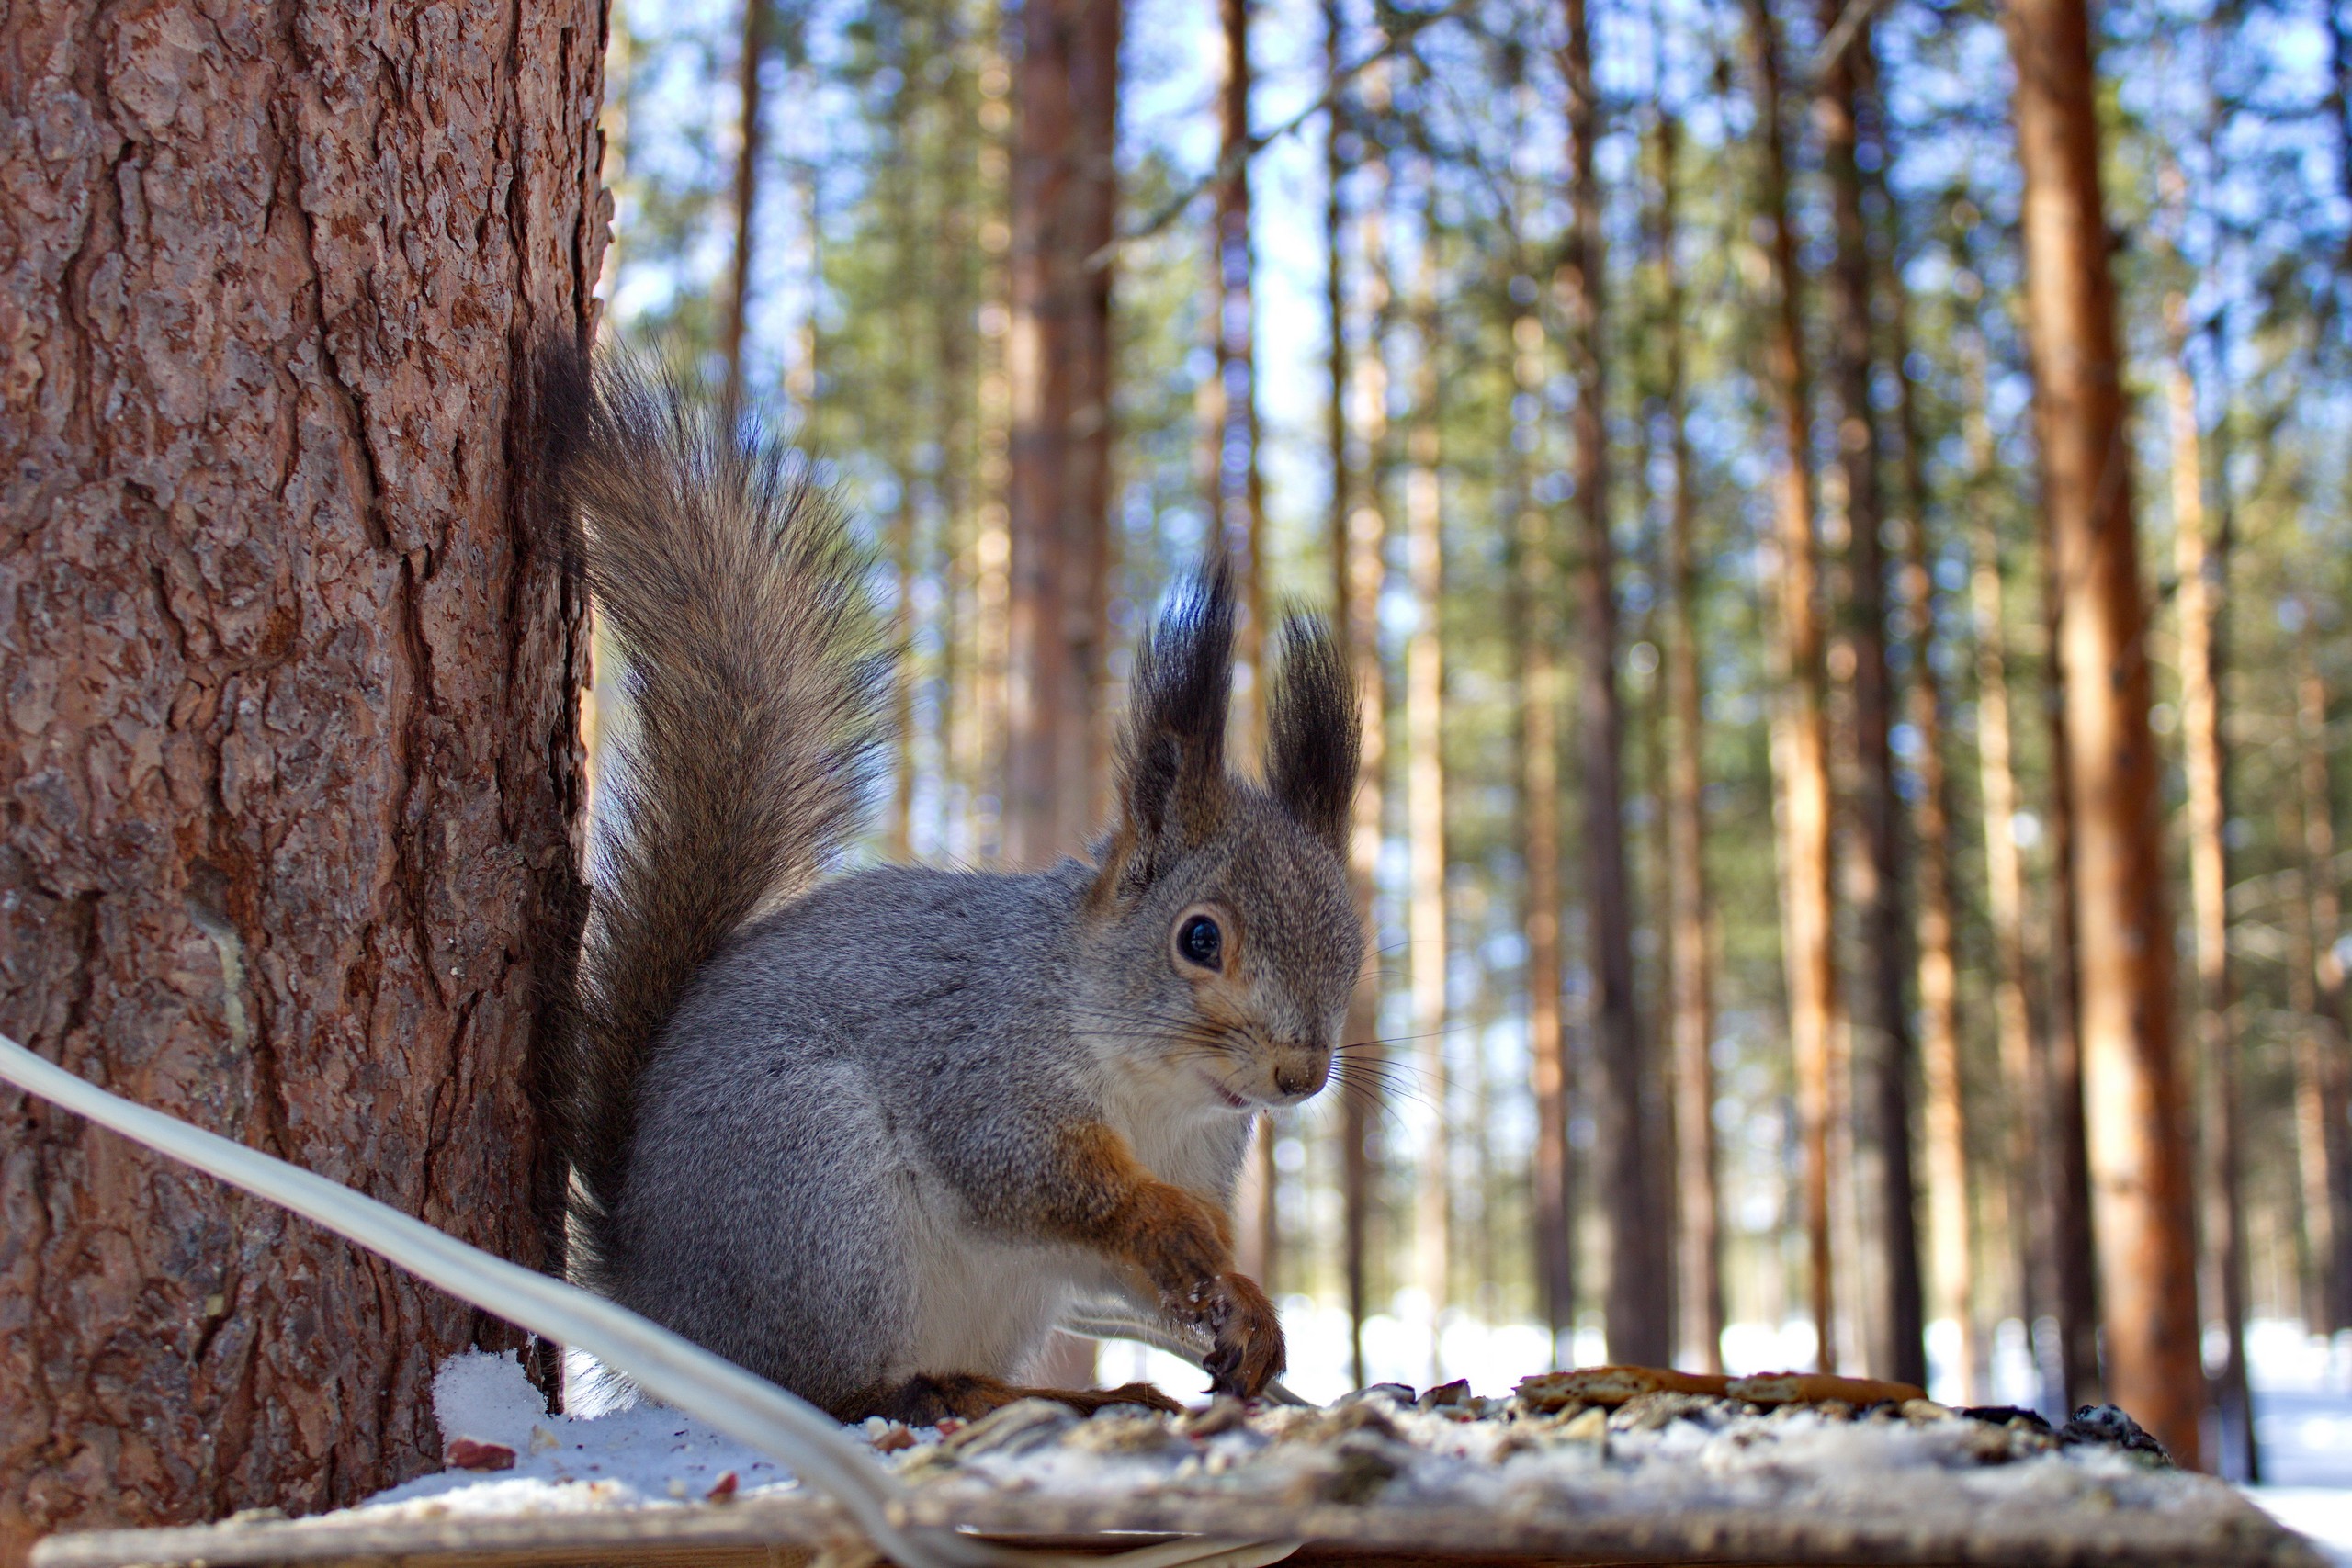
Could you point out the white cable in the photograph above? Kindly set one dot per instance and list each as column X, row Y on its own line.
column 746, row 1407
column 1098, row 1322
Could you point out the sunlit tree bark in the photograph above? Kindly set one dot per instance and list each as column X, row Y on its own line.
column 2134, row 1103
column 292, row 772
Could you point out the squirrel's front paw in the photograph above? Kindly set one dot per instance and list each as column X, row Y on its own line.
column 1249, row 1353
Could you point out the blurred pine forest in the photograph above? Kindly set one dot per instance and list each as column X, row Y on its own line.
column 1647, row 389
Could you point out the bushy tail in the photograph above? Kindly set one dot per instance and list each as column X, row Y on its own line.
column 755, row 685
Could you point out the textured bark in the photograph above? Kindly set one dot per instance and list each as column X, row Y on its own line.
column 1057, row 363
column 1640, row 1328
column 1699, row 1297
column 2135, row 1115
column 1361, row 562
column 292, row 761
column 1801, row 740
column 2204, row 586
column 1895, row 1348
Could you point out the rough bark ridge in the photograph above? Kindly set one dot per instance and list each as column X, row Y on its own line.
column 290, row 761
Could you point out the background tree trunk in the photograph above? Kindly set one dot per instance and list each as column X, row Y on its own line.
column 1237, row 497
column 2325, row 1058
column 1883, row 1043
column 2017, row 1049
column 1536, row 629
column 292, row 765
column 1951, row 1241
column 1640, row 1328
column 1800, row 744
column 1363, row 576
column 1057, row 365
column 748, row 146
column 2203, row 589
column 2137, row 1131
column 1425, row 789
column 1699, row 1299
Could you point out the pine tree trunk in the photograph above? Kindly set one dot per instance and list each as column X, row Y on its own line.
column 2203, row 589
column 1639, row 1327
column 1535, row 631
column 1698, row 1230
column 2073, row 1277
column 1535, row 590
column 1065, row 200
column 753, row 54
column 2314, row 1210
column 2326, row 1064
column 1236, row 497
column 2133, row 1100
column 1951, row 1242
column 1363, row 576
column 1884, row 1045
column 987, row 738
column 1425, row 795
column 294, row 673
column 2023, row 1054
column 1801, row 747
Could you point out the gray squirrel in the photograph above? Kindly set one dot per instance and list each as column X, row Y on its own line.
column 870, row 1135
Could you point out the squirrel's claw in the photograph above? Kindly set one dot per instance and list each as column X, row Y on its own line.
column 1250, row 1353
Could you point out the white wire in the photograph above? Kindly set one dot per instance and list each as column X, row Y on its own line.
column 746, row 1407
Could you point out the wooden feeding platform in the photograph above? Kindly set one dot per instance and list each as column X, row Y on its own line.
column 1573, row 1469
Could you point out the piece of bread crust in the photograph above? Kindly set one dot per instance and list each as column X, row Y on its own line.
column 1613, row 1386
column 1819, row 1388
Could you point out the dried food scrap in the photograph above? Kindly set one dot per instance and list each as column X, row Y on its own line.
column 466, row 1454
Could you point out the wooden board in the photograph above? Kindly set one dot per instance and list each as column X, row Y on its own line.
column 790, row 1532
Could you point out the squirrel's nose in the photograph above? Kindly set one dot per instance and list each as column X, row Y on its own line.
column 1303, row 1078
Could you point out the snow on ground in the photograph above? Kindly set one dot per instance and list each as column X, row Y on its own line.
column 2302, row 1422
column 639, row 1453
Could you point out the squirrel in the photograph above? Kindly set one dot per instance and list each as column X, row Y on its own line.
column 870, row 1134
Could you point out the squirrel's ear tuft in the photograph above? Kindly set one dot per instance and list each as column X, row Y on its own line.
column 1172, row 792
column 1313, row 734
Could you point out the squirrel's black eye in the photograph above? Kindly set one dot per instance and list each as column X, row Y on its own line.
column 1199, row 940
